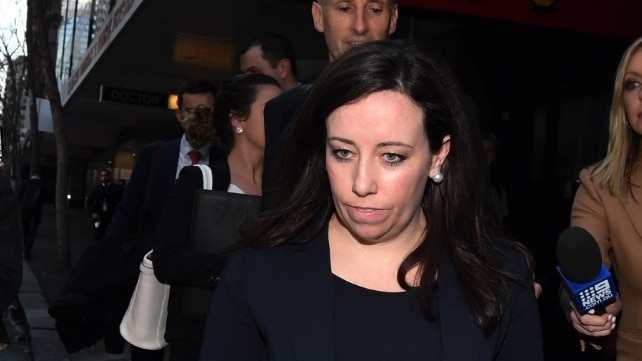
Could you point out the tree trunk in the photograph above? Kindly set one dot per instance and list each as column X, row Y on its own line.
column 34, row 133
column 40, row 36
column 11, row 106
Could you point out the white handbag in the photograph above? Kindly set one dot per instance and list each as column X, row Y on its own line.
column 207, row 176
column 144, row 322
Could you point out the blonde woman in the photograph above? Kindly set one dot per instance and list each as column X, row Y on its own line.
column 607, row 205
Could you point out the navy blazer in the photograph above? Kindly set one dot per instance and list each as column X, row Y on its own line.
column 128, row 210
column 276, row 304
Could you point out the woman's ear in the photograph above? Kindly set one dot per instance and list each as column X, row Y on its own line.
column 439, row 157
column 235, row 119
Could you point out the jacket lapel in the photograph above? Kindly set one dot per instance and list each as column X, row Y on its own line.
column 307, row 285
column 461, row 337
column 634, row 209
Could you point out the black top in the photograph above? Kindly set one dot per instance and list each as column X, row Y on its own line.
column 375, row 325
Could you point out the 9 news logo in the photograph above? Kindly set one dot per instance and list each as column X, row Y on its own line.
column 596, row 294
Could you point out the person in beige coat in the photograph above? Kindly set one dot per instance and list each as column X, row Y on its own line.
column 608, row 204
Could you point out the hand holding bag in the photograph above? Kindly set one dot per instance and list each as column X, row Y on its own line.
column 144, row 322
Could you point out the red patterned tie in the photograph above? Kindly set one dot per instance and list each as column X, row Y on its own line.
column 195, row 156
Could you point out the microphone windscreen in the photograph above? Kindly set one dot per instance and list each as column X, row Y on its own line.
column 578, row 255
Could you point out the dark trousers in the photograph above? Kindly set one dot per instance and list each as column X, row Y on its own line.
column 139, row 354
column 30, row 223
column 102, row 227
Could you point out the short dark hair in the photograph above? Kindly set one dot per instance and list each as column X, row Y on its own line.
column 237, row 95
column 194, row 86
column 274, row 47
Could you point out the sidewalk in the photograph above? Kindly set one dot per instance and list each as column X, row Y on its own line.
column 42, row 280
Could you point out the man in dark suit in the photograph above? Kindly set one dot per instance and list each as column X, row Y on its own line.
column 193, row 147
column 364, row 21
column 102, row 202
column 31, row 199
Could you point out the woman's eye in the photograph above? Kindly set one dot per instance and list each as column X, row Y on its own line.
column 631, row 84
column 393, row 158
column 342, row 154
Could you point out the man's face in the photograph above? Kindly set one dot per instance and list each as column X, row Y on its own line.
column 104, row 177
column 346, row 23
column 252, row 61
column 197, row 132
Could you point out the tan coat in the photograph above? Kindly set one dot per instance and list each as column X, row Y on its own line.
column 616, row 224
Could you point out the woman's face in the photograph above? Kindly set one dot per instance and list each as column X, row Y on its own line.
column 378, row 162
column 632, row 92
column 253, row 126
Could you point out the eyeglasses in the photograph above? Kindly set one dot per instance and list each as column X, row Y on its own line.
column 198, row 115
column 192, row 111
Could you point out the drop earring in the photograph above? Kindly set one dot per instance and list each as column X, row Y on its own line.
column 238, row 130
column 438, row 178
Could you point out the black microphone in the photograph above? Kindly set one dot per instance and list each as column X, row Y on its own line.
column 587, row 281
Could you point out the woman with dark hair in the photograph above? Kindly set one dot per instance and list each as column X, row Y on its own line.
column 378, row 249
column 237, row 118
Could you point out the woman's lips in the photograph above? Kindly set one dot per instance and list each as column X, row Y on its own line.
column 364, row 213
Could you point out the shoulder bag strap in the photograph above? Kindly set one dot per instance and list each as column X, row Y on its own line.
column 207, row 176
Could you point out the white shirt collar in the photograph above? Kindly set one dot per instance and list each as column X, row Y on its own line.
column 183, row 158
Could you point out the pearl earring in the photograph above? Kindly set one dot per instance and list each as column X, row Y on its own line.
column 438, row 178
column 238, row 130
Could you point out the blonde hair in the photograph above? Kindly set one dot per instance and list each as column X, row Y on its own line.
column 615, row 169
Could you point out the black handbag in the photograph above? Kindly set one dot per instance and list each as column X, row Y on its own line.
column 216, row 219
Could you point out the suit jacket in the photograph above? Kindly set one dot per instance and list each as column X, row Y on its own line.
column 175, row 262
column 616, row 225
column 276, row 304
column 128, row 211
column 280, row 115
column 110, row 193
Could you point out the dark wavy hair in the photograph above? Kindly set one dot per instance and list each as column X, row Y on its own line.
column 237, row 96
column 453, row 208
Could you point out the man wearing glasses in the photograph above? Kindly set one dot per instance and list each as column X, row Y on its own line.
column 167, row 159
